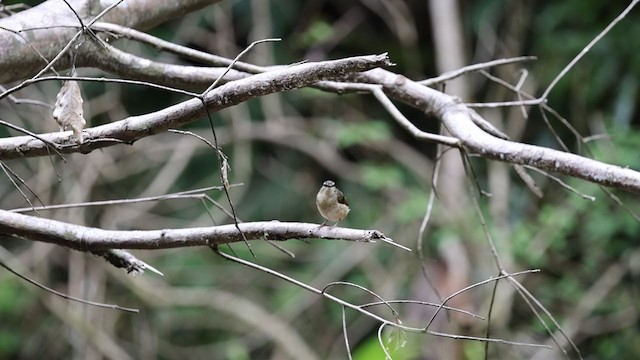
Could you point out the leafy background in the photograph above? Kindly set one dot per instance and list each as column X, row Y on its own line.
column 281, row 147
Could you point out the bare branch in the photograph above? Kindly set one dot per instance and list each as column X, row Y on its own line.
column 189, row 194
column 458, row 121
column 422, row 303
column 22, row 59
column 92, row 239
column 137, row 127
column 562, row 183
column 238, row 57
column 365, row 312
column 475, row 67
column 134, row 67
column 176, row 49
column 26, row 83
column 344, row 332
column 444, row 302
column 65, row 296
column 586, row 49
column 123, row 259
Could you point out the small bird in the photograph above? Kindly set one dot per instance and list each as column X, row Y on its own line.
column 331, row 203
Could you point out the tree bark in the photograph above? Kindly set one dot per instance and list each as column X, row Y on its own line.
column 33, row 35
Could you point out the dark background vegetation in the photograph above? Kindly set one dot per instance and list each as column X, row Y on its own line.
column 588, row 251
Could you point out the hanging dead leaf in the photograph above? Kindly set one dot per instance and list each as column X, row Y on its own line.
column 68, row 109
column 224, row 171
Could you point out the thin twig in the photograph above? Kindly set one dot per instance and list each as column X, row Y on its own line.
column 426, row 218
column 404, row 122
column 124, row 259
column 528, row 180
column 19, row 101
column 523, row 76
column 361, row 310
column 282, row 249
column 344, row 331
column 381, row 342
column 70, row 43
column 472, row 286
column 191, row 133
column 326, row 287
column 531, row 97
column 12, row 174
column 487, row 333
column 382, row 98
column 247, row 49
column 586, row 49
column 475, row 67
column 553, row 131
column 189, row 194
column 68, row 297
column 561, row 183
column 376, row 303
column 223, row 179
column 94, row 79
column 222, row 160
column 494, row 250
column 176, row 49
column 84, row 28
column 618, row 201
column 278, row 247
column 49, row 144
column 506, row 103
column 29, row 44
column 393, row 243
column 549, row 315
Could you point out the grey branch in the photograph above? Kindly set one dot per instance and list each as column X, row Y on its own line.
column 136, row 127
column 42, row 31
column 85, row 238
column 458, row 120
column 125, row 260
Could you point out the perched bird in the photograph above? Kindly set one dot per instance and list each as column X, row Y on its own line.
column 331, row 203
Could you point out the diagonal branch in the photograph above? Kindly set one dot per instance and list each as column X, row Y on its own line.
column 136, row 127
column 457, row 118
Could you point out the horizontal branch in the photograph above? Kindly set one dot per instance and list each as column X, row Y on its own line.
column 136, row 127
column 85, row 238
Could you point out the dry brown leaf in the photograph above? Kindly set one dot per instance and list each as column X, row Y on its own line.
column 224, row 170
column 68, row 109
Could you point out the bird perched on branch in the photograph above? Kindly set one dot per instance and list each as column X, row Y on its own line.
column 331, row 203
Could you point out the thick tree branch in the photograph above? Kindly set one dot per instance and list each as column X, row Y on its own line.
column 133, row 67
column 137, row 127
column 45, row 29
column 180, row 50
column 458, row 120
column 85, row 238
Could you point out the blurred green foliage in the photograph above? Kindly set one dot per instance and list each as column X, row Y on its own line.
column 363, row 133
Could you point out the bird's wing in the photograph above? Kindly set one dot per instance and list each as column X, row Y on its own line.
column 341, row 198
